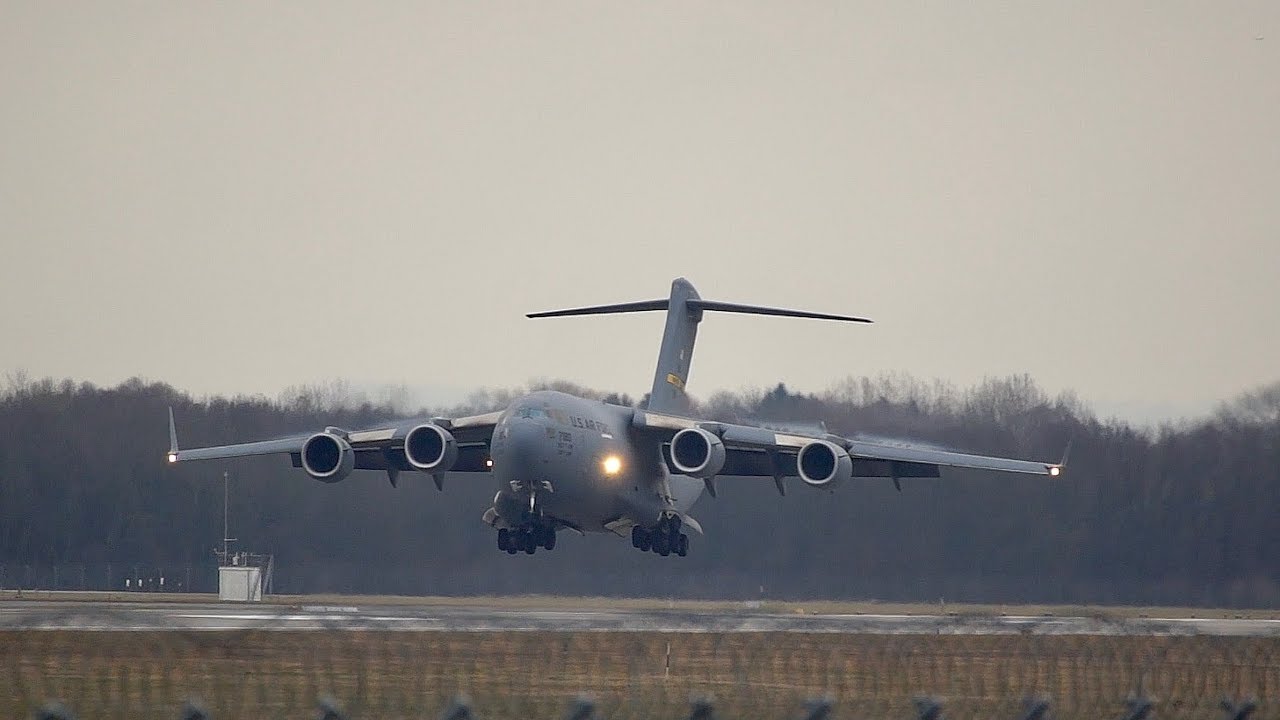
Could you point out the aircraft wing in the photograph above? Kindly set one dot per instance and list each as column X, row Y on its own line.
column 756, row 451
column 377, row 448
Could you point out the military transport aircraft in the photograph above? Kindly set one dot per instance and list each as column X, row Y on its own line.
column 565, row 462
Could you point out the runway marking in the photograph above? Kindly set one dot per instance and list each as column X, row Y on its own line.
column 298, row 618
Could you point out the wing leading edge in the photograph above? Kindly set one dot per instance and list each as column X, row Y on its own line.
column 756, row 451
column 379, row 448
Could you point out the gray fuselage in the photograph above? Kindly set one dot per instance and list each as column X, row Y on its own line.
column 552, row 454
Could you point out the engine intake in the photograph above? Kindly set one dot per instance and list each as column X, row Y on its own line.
column 328, row 457
column 697, row 453
column 823, row 464
column 430, row 448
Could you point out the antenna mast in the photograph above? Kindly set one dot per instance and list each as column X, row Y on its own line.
column 226, row 511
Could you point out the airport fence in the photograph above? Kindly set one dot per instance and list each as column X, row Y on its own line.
column 378, row 672
column 297, row 577
column 110, row 577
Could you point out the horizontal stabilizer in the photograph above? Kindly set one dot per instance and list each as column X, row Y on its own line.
column 642, row 306
column 757, row 310
column 696, row 305
column 684, row 308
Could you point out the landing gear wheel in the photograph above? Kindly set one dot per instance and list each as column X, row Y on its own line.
column 682, row 545
column 522, row 540
column 504, row 539
column 549, row 538
column 661, row 545
column 637, row 535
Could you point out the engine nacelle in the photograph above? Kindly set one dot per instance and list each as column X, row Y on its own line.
column 697, row 453
column 328, row 457
column 823, row 464
column 430, row 448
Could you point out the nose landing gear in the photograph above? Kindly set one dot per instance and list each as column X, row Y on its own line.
column 533, row 530
column 664, row 538
column 527, row 538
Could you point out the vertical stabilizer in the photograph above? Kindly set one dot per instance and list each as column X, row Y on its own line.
column 676, row 353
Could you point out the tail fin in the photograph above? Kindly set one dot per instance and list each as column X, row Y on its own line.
column 676, row 353
column 684, row 311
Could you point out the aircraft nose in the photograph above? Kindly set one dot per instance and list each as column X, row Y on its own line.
column 527, row 445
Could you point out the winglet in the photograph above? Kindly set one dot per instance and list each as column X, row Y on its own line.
column 173, row 438
column 1061, row 467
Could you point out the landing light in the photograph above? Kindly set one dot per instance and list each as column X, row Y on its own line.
column 173, row 457
column 611, row 464
column 488, row 463
column 1055, row 471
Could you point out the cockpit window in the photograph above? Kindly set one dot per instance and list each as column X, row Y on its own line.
column 531, row 412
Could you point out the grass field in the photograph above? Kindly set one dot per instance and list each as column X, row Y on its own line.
column 533, row 675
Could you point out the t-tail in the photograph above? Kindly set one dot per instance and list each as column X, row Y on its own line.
column 684, row 311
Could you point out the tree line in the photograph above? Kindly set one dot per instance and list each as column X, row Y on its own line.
column 1184, row 513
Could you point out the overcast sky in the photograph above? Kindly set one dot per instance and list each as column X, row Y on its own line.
column 238, row 197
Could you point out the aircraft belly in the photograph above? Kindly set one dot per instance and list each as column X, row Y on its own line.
column 585, row 507
column 562, row 458
column 685, row 491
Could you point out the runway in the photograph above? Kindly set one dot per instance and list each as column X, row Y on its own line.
column 137, row 616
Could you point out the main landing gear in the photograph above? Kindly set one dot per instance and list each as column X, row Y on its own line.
column 528, row 539
column 665, row 538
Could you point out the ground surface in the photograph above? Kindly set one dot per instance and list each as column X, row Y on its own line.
column 142, row 655
column 543, row 602
column 534, row 674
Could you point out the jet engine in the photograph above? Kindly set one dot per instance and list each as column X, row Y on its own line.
column 823, row 464
column 430, row 448
column 697, row 453
column 328, row 457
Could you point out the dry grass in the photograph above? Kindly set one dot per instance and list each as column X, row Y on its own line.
column 532, row 675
